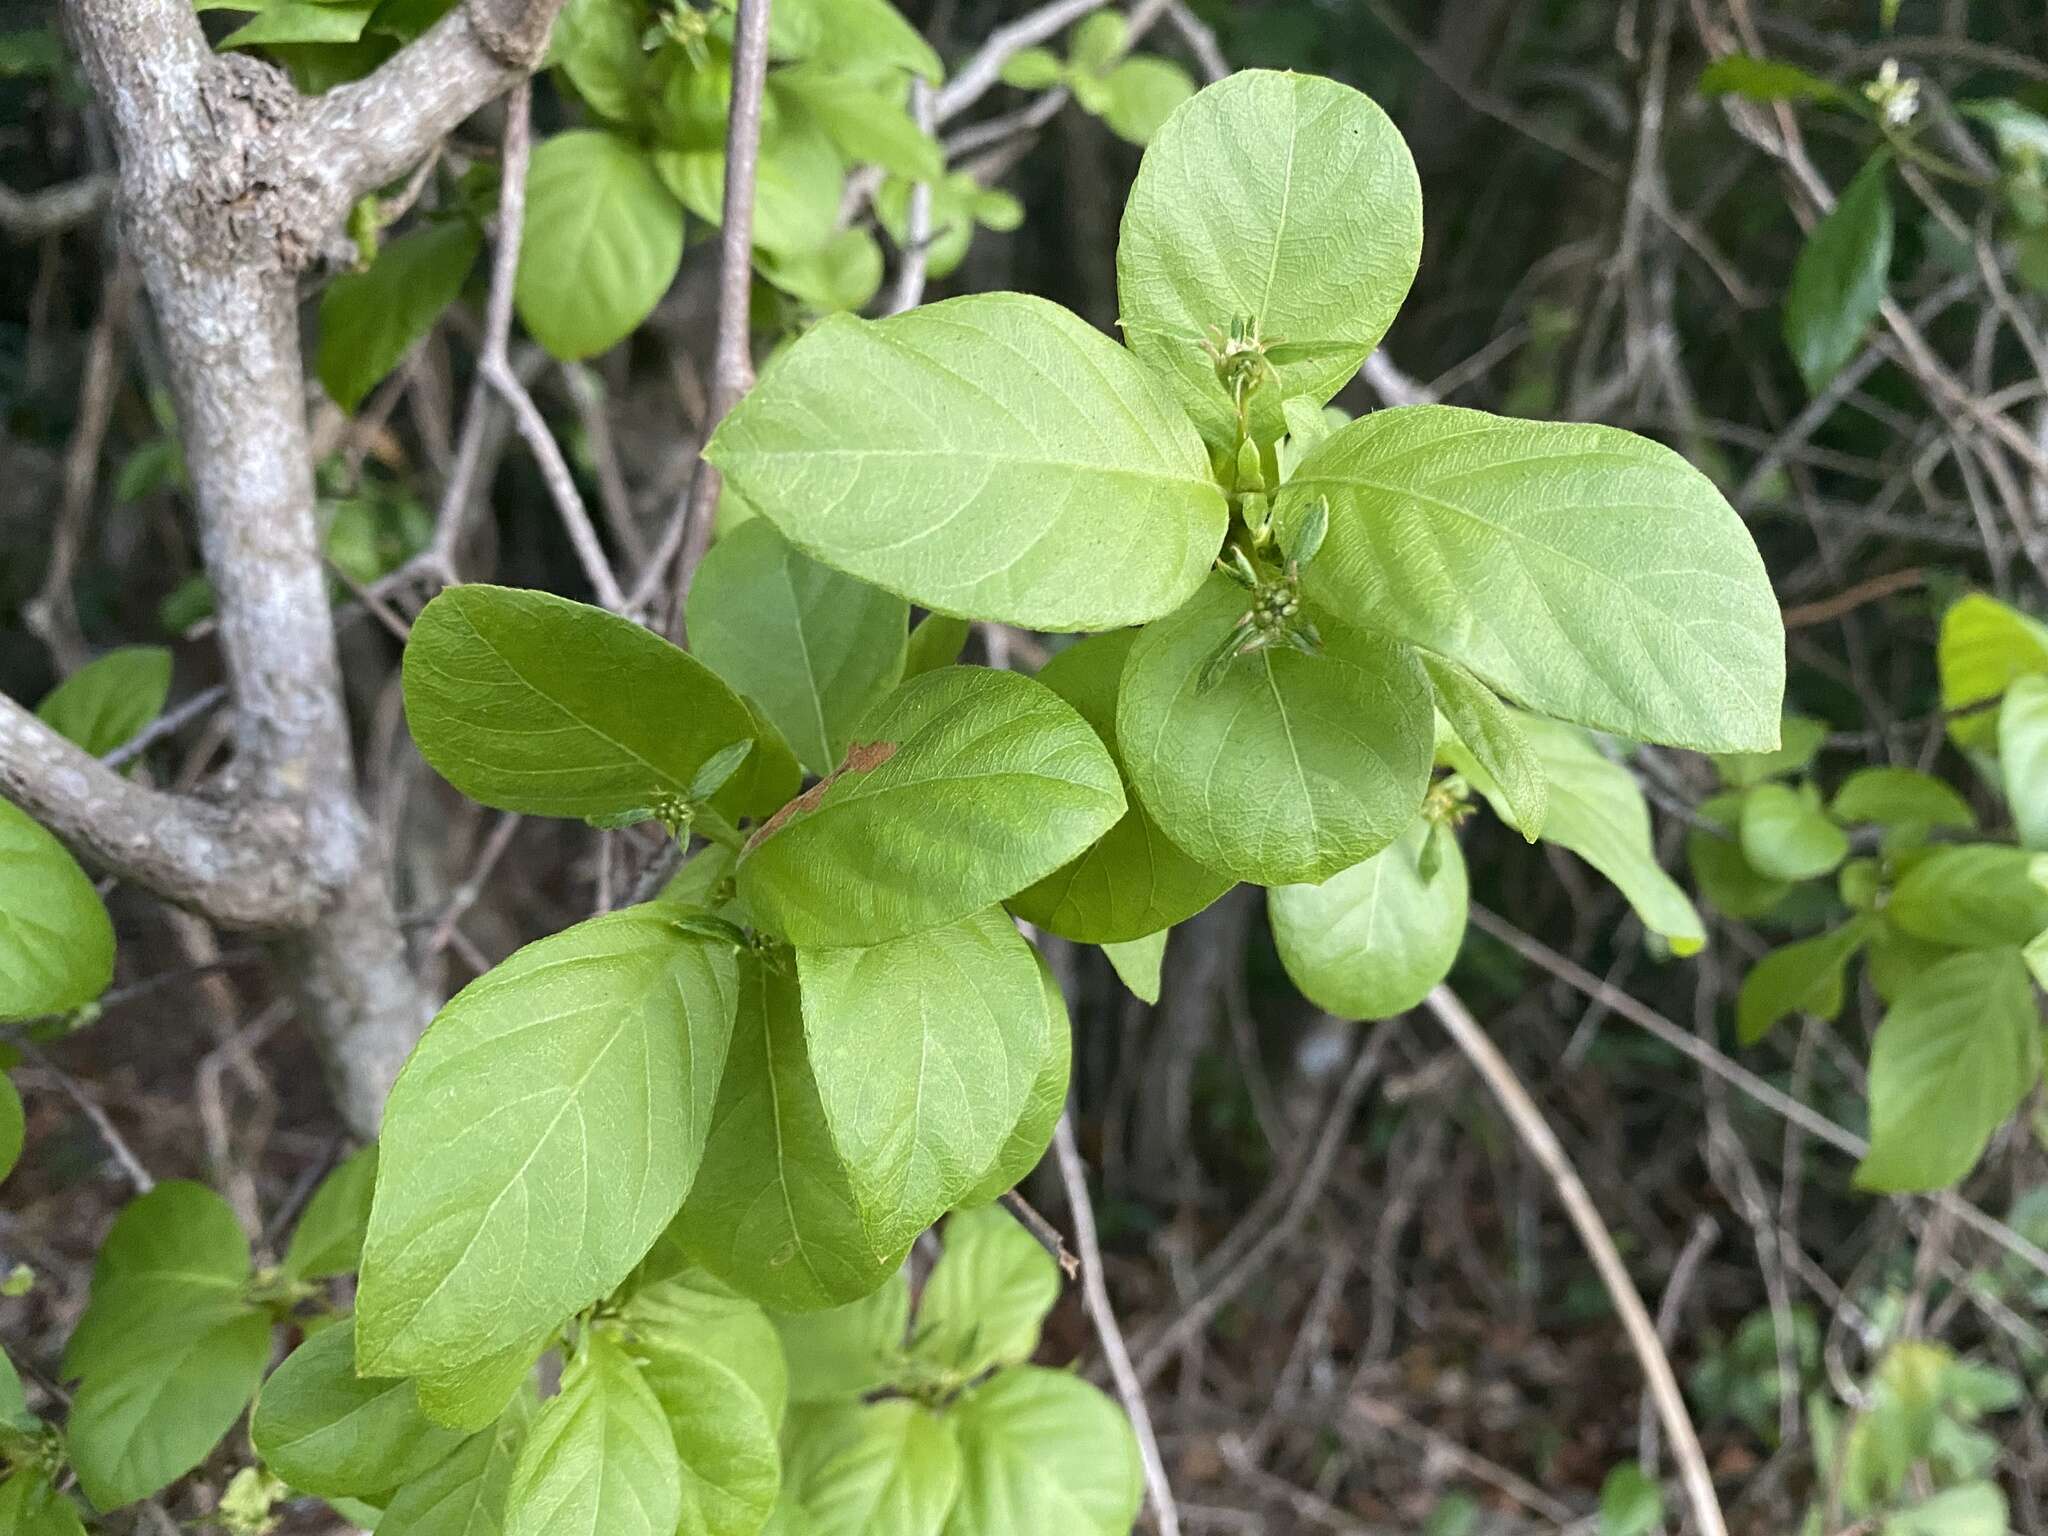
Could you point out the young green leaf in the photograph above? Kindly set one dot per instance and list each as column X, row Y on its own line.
column 1033, row 69
column 1718, row 867
column 1631, row 1503
column 29, row 1506
column 329, row 1237
column 1284, row 200
column 924, row 1050
column 936, row 641
column 1009, row 784
column 1805, row 977
column 1134, row 881
column 987, row 1295
column 602, row 240
column 1984, row 646
column 529, row 702
column 2023, row 758
column 599, row 1460
column 849, row 1351
column 1953, row 1058
column 106, row 702
column 814, row 649
column 800, row 181
column 56, row 940
column 369, row 320
column 843, row 274
column 1980, row 896
column 1900, row 797
column 1800, row 738
column 1584, row 572
column 599, row 45
column 991, row 456
column 1370, row 941
column 1766, row 80
column 464, row 1495
column 1787, row 836
column 870, row 124
column 542, row 1135
column 13, row 1127
column 1140, row 94
column 1970, row 1509
column 1289, row 768
column 284, row 22
column 870, row 33
column 1842, row 277
column 873, row 1469
column 772, row 1213
column 1486, row 729
column 1043, row 1451
column 1137, row 963
column 714, row 1363
column 326, row 1430
column 1025, row 1146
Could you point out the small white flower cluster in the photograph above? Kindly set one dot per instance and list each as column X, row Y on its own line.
column 1898, row 99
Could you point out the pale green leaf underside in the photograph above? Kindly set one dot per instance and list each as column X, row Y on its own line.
column 1025, row 1146
column 990, row 456
column 2023, row 758
column 873, row 1469
column 465, row 1494
column 1286, row 199
column 1584, row 572
column 1805, row 977
column 1043, row 1451
column 1137, row 963
column 1487, row 730
column 987, row 1295
column 846, row 1351
column 542, row 1135
column 599, row 1460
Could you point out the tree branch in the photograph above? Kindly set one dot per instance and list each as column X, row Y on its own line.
column 52, row 210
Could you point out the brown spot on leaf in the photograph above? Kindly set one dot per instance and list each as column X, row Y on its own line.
column 861, row 757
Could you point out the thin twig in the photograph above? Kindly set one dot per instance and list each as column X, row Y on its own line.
column 1047, row 1234
column 974, row 79
column 131, row 1165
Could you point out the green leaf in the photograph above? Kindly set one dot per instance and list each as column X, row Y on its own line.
column 598, row 45
column 542, row 1135
column 1134, row 881
column 601, row 242
column 1584, row 572
column 1596, row 811
column 874, row 1469
column 1486, row 729
column 1024, row 1148
column 1901, row 797
column 1953, row 1058
column 987, row 1295
column 1033, row 69
column 1718, row 867
column 1842, row 277
column 176, row 1252
column 1137, row 962
column 1371, row 941
column 13, row 1130
column 843, row 274
column 814, row 649
column 1098, row 41
column 1805, row 977
column 1975, row 897
column 370, row 320
column 529, row 702
column 329, row 1237
column 1142, row 93
column 800, row 181
column 1043, row 1451
column 1757, row 79
column 714, row 1363
column 868, row 34
column 772, row 1212
column 326, row 1430
column 869, row 124
column 14, row 1412
column 1786, row 835
column 1005, row 783
column 56, row 940
column 1290, row 767
column 29, row 1506
column 1800, row 738
column 1973, row 1509
column 300, row 21
column 599, row 1460
column 107, row 702
column 1631, row 1503
column 1984, row 647
column 465, row 1494
column 1289, row 200
column 924, row 1051
column 936, row 641
column 849, row 1351
column 2023, row 758
column 963, row 454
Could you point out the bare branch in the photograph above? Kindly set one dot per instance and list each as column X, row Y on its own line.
column 52, row 210
column 974, row 79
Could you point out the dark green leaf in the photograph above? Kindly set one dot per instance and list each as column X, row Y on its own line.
column 1975, row 897
column 1806, row 977
column 107, row 701
column 326, row 1430
column 370, row 320
column 329, row 1237
column 1842, row 277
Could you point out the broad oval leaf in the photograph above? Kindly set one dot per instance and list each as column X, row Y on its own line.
column 29, row 1506
column 1955, row 1055
column 1842, row 277
column 106, row 702
column 1800, row 738
column 56, row 940
column 1134, row 881
column 873, row 1469
column 987, row 1295
column 772, row 1212
column 1718, row 867
column 925, row 1050
column 542, row 1135
column 529, row 702
column 990, row 456
column 799, row 181
column 1805, row 977
column 1024, row 1148
column 961, row 788
column 1787, row 836
column 1584, row 572
column 464, row 1495
column 369, row 320
column 1290, row 767
column 1284, row 199
column 326, row 1430
column 848, row 1351
column 176, row 1251
column 2023, row 758
column 1901, row 797
column 811, row 647
column 714, row 1363
column 1487, row 730
column 1978, row 896
column 1984, row 646
column 1370, row 941
column 599, row 1460
column 602, row 241
column 1043, row 1451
